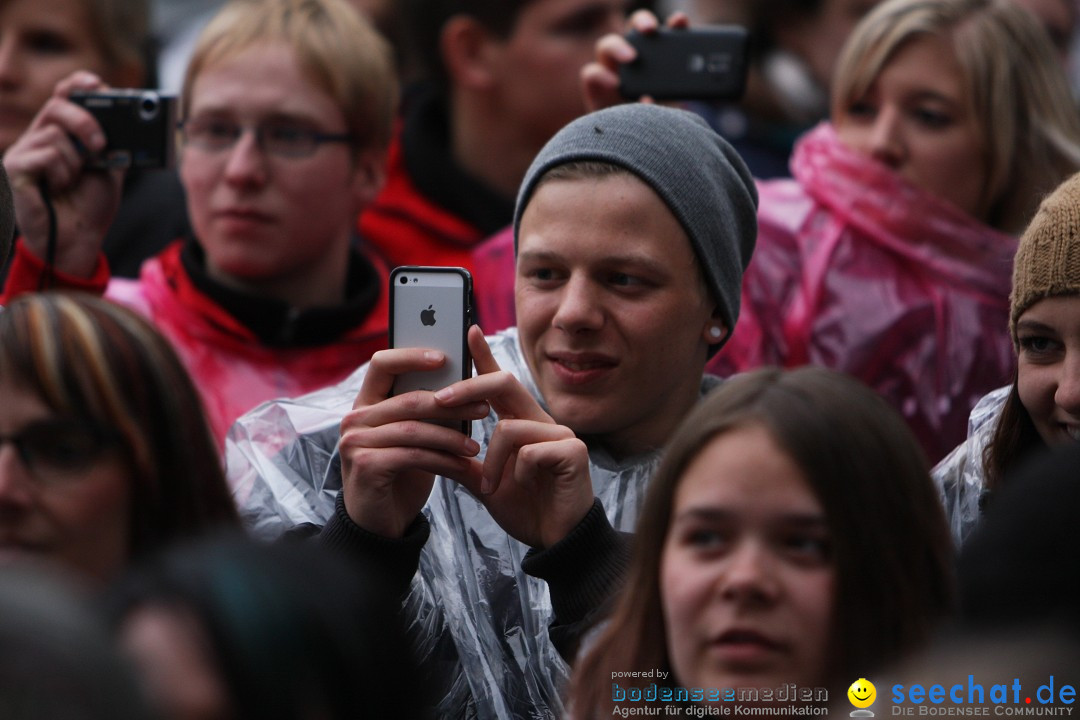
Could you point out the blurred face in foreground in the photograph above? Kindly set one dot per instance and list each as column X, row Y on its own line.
column 65, row 489
column 175, row 657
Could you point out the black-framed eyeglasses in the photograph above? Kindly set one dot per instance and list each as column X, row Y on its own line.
column 279, row 138
column 60, row 446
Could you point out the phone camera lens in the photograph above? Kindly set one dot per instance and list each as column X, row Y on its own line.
column 404, row 280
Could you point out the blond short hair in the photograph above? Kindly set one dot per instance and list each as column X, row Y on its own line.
column 338, row 49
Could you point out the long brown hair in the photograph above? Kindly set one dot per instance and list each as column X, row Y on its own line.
column 1014, row 438
column 891, row 549
column 91, row 359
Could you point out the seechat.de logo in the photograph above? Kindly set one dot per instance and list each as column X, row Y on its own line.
column 973, row 698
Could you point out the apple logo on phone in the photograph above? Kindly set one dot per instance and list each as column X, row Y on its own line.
column 427, row 317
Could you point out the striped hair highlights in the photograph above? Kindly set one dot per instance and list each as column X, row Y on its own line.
column 92, row 360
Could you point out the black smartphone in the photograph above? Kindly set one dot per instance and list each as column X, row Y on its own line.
column 708, row 62
column 139, row 127
column 430, row 307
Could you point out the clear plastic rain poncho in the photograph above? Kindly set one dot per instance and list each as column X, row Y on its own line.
column 860, row 271
column 959, row 477
column 470, row 604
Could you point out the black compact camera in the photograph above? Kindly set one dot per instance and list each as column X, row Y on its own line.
column 702, row 63
column 139, row 127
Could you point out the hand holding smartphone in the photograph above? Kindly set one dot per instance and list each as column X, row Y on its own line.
column 430, row 307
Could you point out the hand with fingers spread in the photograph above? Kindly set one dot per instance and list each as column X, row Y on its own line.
column 600, row 78
column 85, row 201
column 535, row 477
column 390, row 455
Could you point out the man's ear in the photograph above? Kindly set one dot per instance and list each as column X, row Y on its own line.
column 369, row 175
column 466, row 52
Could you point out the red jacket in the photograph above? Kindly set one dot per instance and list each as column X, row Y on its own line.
column 232, row 368
column 493, row 279
column 409, row 229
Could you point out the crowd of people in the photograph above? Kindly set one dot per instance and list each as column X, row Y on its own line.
column 781, row 391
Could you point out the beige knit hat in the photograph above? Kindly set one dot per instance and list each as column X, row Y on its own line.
column 1048, row 258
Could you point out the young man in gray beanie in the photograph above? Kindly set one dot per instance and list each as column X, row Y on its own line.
column 633, row 227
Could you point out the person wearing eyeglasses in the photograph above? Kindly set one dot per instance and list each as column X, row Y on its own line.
column 286, row 110
column 105, row 453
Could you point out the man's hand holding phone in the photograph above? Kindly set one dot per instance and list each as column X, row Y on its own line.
column 675, row 62
column 600, row 78
column 534, row 479
column 390, row 453
column 535, row 476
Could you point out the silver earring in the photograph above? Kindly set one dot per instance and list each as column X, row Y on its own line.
column 715, row 332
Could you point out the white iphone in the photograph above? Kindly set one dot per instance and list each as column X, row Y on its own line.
column 431, row 307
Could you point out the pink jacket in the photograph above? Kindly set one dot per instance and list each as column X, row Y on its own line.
column 233, row 370
column 493, row 281
column 859, row 271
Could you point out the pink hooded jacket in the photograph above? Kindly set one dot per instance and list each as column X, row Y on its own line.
column 233, row 370
column 857, row 270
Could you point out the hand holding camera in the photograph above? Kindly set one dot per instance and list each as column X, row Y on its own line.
column 139, row 126
column 52, row 174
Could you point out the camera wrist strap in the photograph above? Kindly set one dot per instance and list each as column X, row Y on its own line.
column 48, row 279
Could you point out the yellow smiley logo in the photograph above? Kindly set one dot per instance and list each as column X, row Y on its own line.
column 862, row 693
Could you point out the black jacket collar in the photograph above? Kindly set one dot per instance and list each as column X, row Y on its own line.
column 276, row 323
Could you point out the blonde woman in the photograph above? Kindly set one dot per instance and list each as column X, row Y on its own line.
column 888, row 255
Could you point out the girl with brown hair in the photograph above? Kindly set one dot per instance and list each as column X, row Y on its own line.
column 790, row 535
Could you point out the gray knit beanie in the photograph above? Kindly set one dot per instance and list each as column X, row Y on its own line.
column 697, row 174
